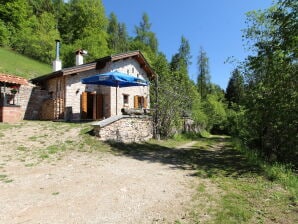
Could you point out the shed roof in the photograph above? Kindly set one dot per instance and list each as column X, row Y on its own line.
column 12, row 79
column 98, row 64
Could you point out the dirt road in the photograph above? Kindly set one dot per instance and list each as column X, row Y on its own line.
column 73, row 186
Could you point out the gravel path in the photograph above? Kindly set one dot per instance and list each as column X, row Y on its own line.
column 82, row 187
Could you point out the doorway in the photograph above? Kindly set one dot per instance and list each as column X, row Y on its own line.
column 92, row 106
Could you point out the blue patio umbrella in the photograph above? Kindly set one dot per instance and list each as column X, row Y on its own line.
column 115, row 79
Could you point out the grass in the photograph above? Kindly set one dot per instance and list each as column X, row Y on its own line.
column 17, row 64
column 276, row 172
column 249, row 190
column 4, row 178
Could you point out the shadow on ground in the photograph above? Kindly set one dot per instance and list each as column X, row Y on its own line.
column 215, row 158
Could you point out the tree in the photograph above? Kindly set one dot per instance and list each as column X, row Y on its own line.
column 145, row 35
column 88, row 33
column 14, row 15
column 235, row 88
column 87, row 14
column 123, row 38
column 118, row 37
column 4, row 34
column 176, row 92
column 271, row 97
column 203, row 81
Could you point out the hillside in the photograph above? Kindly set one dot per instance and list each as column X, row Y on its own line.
column 16, row 64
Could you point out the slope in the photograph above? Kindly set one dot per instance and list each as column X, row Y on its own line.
column 16, row 64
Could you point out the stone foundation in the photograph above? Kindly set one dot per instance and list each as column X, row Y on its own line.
column 124, row 128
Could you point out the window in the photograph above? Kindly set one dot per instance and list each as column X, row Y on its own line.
column 9, row 95
column 125, row 99
column 133, row 70
column 140, row 102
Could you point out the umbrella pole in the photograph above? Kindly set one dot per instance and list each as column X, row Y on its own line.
column 116, row 100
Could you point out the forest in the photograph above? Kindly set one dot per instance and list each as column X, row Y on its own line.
column 259, row 105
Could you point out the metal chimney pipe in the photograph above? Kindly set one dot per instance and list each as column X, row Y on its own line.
column 57, row 49
column 57, row 64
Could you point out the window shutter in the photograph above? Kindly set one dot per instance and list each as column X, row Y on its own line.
column 145, row 102
column 136, row 102
column 84, row 105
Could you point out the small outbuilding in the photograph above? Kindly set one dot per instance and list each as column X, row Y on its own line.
column 14, row 97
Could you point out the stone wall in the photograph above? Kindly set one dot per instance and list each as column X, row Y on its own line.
column 34, row 103
column 124, row 128
column 19, row 111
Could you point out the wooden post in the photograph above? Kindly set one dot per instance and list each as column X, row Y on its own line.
column 156, row 133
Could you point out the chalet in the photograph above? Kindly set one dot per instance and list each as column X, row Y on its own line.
column 70, row 99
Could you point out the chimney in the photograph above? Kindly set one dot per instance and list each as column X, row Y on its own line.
column 79, row 56
column 57, row 64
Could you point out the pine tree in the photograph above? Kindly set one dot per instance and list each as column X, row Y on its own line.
column 203, row 81
column 235, row 88
column 145, row 35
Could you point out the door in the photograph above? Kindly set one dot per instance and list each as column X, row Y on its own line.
column 91, row 106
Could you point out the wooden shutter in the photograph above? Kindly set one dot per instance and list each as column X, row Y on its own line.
column 84, row 105
column 145, row 102
column 136, row 102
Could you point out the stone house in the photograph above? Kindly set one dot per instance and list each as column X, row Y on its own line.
column 15, row 94
column 69, row 99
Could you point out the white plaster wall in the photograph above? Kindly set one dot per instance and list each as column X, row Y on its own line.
column 74, row 89
column 131, row 67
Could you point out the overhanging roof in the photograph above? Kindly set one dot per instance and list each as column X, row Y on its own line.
column 98, row 64
column 11, row 79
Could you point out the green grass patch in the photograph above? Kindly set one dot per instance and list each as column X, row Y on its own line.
column 4, row 178
column 280, row 173
column 16, row 64
column 22, row 148
column 248, row 190
column 89, row 143
column 43, row 155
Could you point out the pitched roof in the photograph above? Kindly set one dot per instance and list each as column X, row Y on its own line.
column 98, row 64
column 13, row 79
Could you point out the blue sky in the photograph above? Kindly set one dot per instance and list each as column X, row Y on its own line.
column 213, row 24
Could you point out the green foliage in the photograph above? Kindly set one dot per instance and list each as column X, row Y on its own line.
column 198, row 114
column 216, row 111
column 203, row 81
column 145, row 35
column 235, row 88
column 118, row 37
column 4, row 34
column 271, row 76
column 181, row 60
column 283, row 174
column 236, row 121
